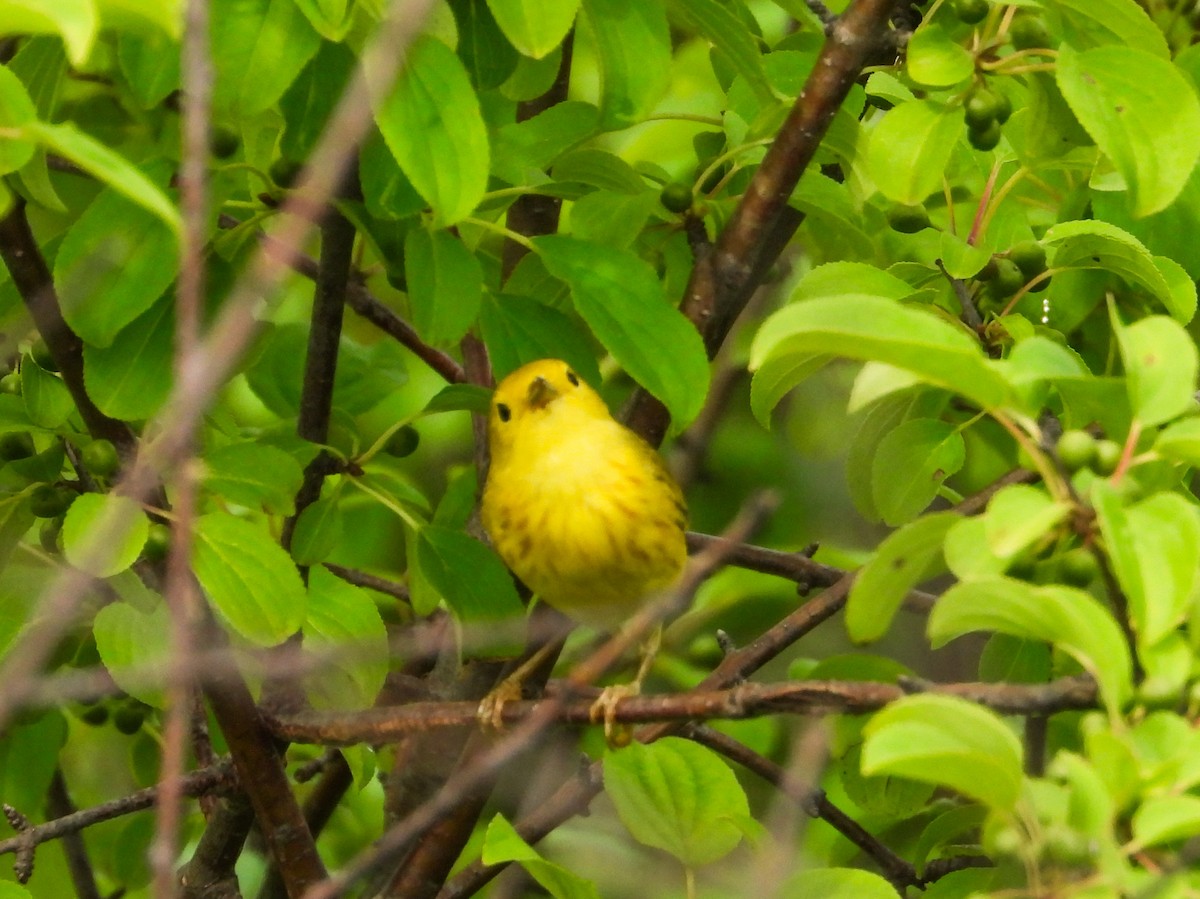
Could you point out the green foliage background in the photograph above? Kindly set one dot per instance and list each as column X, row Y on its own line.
column 970, row 374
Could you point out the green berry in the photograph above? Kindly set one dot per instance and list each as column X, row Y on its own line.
column 403, row 442
column 1008, row 278
column 158, row 543
column 11, row 384
column 224, row 142
column 1030, row 257
column 16, row 445
column 907, row 219
column 1078, row 567
column 1108, row 457
column 1076, row 449
column 129, row 717
column 1004, row 108
column 971, row 11
column 980, row 108
column 95, row 715
column 985, row 139
column 48, row 501
column 676, row 197
column 284, row 172
column 1028, row 32
column 50, row 535
column 100, row 458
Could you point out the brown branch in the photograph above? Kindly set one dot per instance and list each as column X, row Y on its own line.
column 336, row 779
column 59, row 805
column 197, row 783
column 723, row 280
column 746, row 700
column 31, row 275
column 320, row 362
column 261, row 774
column 369, row 307
column 814, row 802
column 534, row 214
column 209, row 874
column 358, row 578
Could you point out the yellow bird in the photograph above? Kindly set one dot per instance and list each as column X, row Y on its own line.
column 578, row 506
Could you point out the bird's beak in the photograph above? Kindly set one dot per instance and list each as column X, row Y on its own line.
column 541, row 392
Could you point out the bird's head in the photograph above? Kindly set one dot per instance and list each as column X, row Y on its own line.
column 547, row 392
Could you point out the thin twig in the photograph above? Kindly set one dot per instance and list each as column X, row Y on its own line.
column 59, row 805
column 197, row 783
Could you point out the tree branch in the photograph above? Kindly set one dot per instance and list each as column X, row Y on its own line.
column 762, row 224
column 197, row 783
column 31, row 275
column 746, row 700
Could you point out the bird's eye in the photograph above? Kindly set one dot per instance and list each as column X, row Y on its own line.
column 572, row 377
column 503, row 411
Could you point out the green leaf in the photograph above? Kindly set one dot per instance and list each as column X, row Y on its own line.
column 445, row 285
column 912, row 463
column 28, row 760
column 735, row 43
column 677, row 796
column 9, row 890
column 1154, row 549
column 482, row 47
column 1180, row 442
column 600, row 169
column 318, row 532
column 248, row 577
column 947, row 741
column 1166, row 819
column 150, row 64
column 909, row 149
column 460, row 398
column 633, row 48
column 260, row 47
column 1097, row 23
column 520, row 329
column 310, row 100
column 365, row 377
column 106, row 276
column 131, row 377
column 433, row 97
column 476, row 585
column 935, row 59
column 331, row 19
column 1140, row 110
column 1018, row 516
column 619, row 296
column 1069, row 618
column 16, row 111
column 503, row 844
column 876, row 328
column 254, row 475
column 535, row 27
column 343, row 622
column 134, row 646
column 1161, row 364
column 103, row 533
column 47, row 400
column 904, row 559
column 107, row 166
column 838, row 883
column 75, row 21
column 15, row 520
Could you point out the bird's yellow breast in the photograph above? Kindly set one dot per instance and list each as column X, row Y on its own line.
column 579, row 507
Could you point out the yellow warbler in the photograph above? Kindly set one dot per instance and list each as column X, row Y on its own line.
column 579, row 507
